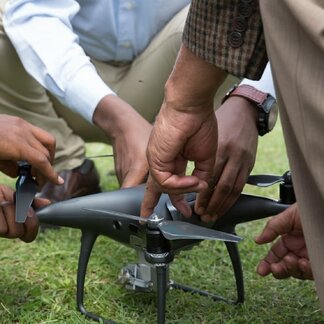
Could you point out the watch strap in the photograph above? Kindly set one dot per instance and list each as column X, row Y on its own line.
column 256, row 96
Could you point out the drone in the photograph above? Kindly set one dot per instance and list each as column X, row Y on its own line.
column 156, row 239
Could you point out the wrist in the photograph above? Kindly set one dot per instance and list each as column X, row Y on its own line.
column 263, row 103
column 192, row 83
column 242, row 108
column 111, row 115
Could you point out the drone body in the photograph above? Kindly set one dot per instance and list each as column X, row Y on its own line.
column 167, row 232
column 158, row 238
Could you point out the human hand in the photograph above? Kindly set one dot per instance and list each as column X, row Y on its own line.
column 185, row 129
column 178, row 137
column 288, row 256
column 21, row 141
column 27, row 231
column 129, row 133
column 237, row 146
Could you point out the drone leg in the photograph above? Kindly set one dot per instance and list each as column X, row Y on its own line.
column 87, row 241
column 237, row 267
column 161, row 273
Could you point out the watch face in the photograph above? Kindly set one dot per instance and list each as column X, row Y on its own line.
column 272, row 117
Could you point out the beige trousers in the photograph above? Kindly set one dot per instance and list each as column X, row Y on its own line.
column 294, row 32
column 140, row 83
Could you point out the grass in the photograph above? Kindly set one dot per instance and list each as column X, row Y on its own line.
column 38, row 280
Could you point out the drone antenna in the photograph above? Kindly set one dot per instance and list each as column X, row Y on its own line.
column 100, row 156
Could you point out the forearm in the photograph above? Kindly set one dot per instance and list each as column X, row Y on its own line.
column 193, row 82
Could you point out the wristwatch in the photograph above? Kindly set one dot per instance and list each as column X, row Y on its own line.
column 265, row 104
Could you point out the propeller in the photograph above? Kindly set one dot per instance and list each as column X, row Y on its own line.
column 175, row 230
column 26, row 188
column 266, row 180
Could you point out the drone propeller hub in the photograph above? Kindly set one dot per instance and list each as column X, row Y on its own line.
column 154, row 220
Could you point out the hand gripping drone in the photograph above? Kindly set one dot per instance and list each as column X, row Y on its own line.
column 156, row 239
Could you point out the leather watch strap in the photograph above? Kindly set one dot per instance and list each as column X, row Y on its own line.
column 249, row 93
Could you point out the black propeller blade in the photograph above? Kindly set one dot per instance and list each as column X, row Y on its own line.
column 266, row 180
column 176, row 230
column 117, row 215
column 26, row 188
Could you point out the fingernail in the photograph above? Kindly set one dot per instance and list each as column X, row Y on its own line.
column 215, row 217
column 60, row 180
column 200, row 211
column 205, row 218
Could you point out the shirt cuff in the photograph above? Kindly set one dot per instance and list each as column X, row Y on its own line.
column 84, row 92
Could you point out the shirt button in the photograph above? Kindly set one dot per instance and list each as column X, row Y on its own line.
column 235, row 39
column 129, row 5
column 127, row 44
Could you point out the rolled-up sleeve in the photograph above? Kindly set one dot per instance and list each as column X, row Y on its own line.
column 228, row 34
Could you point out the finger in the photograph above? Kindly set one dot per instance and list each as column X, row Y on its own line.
column 40, row 202
column 292, row 265
column 297, row 267
column 175, row 184
column 151, row 198
column 134, row 178
column 41, row 166
column 3, row 222
column 277, row 252
column 30, row 227
column 9, row 168
column 205, row 192
column 305, row 267
column 226, row 192
column 181, row 205
column 47, row 140
column 222, row 188
column 278, row 225
column 279, row 270
column 232, row 197
column 263, row 268
column 271, row 257
column 15, row 230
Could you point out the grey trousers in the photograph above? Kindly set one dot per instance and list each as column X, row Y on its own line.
column 294, row 32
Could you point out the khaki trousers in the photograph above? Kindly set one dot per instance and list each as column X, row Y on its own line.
column 294, row 32
column 140, row 83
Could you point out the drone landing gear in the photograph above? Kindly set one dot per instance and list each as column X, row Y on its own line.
column 158, row 255
column 237, row 268
column 87, row 241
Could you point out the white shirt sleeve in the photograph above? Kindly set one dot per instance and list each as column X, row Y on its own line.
column 42, row 35
column 265, row 84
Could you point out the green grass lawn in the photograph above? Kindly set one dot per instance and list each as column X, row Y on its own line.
column 38, row 280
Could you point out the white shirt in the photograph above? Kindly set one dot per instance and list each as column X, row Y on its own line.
column 54, row 39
